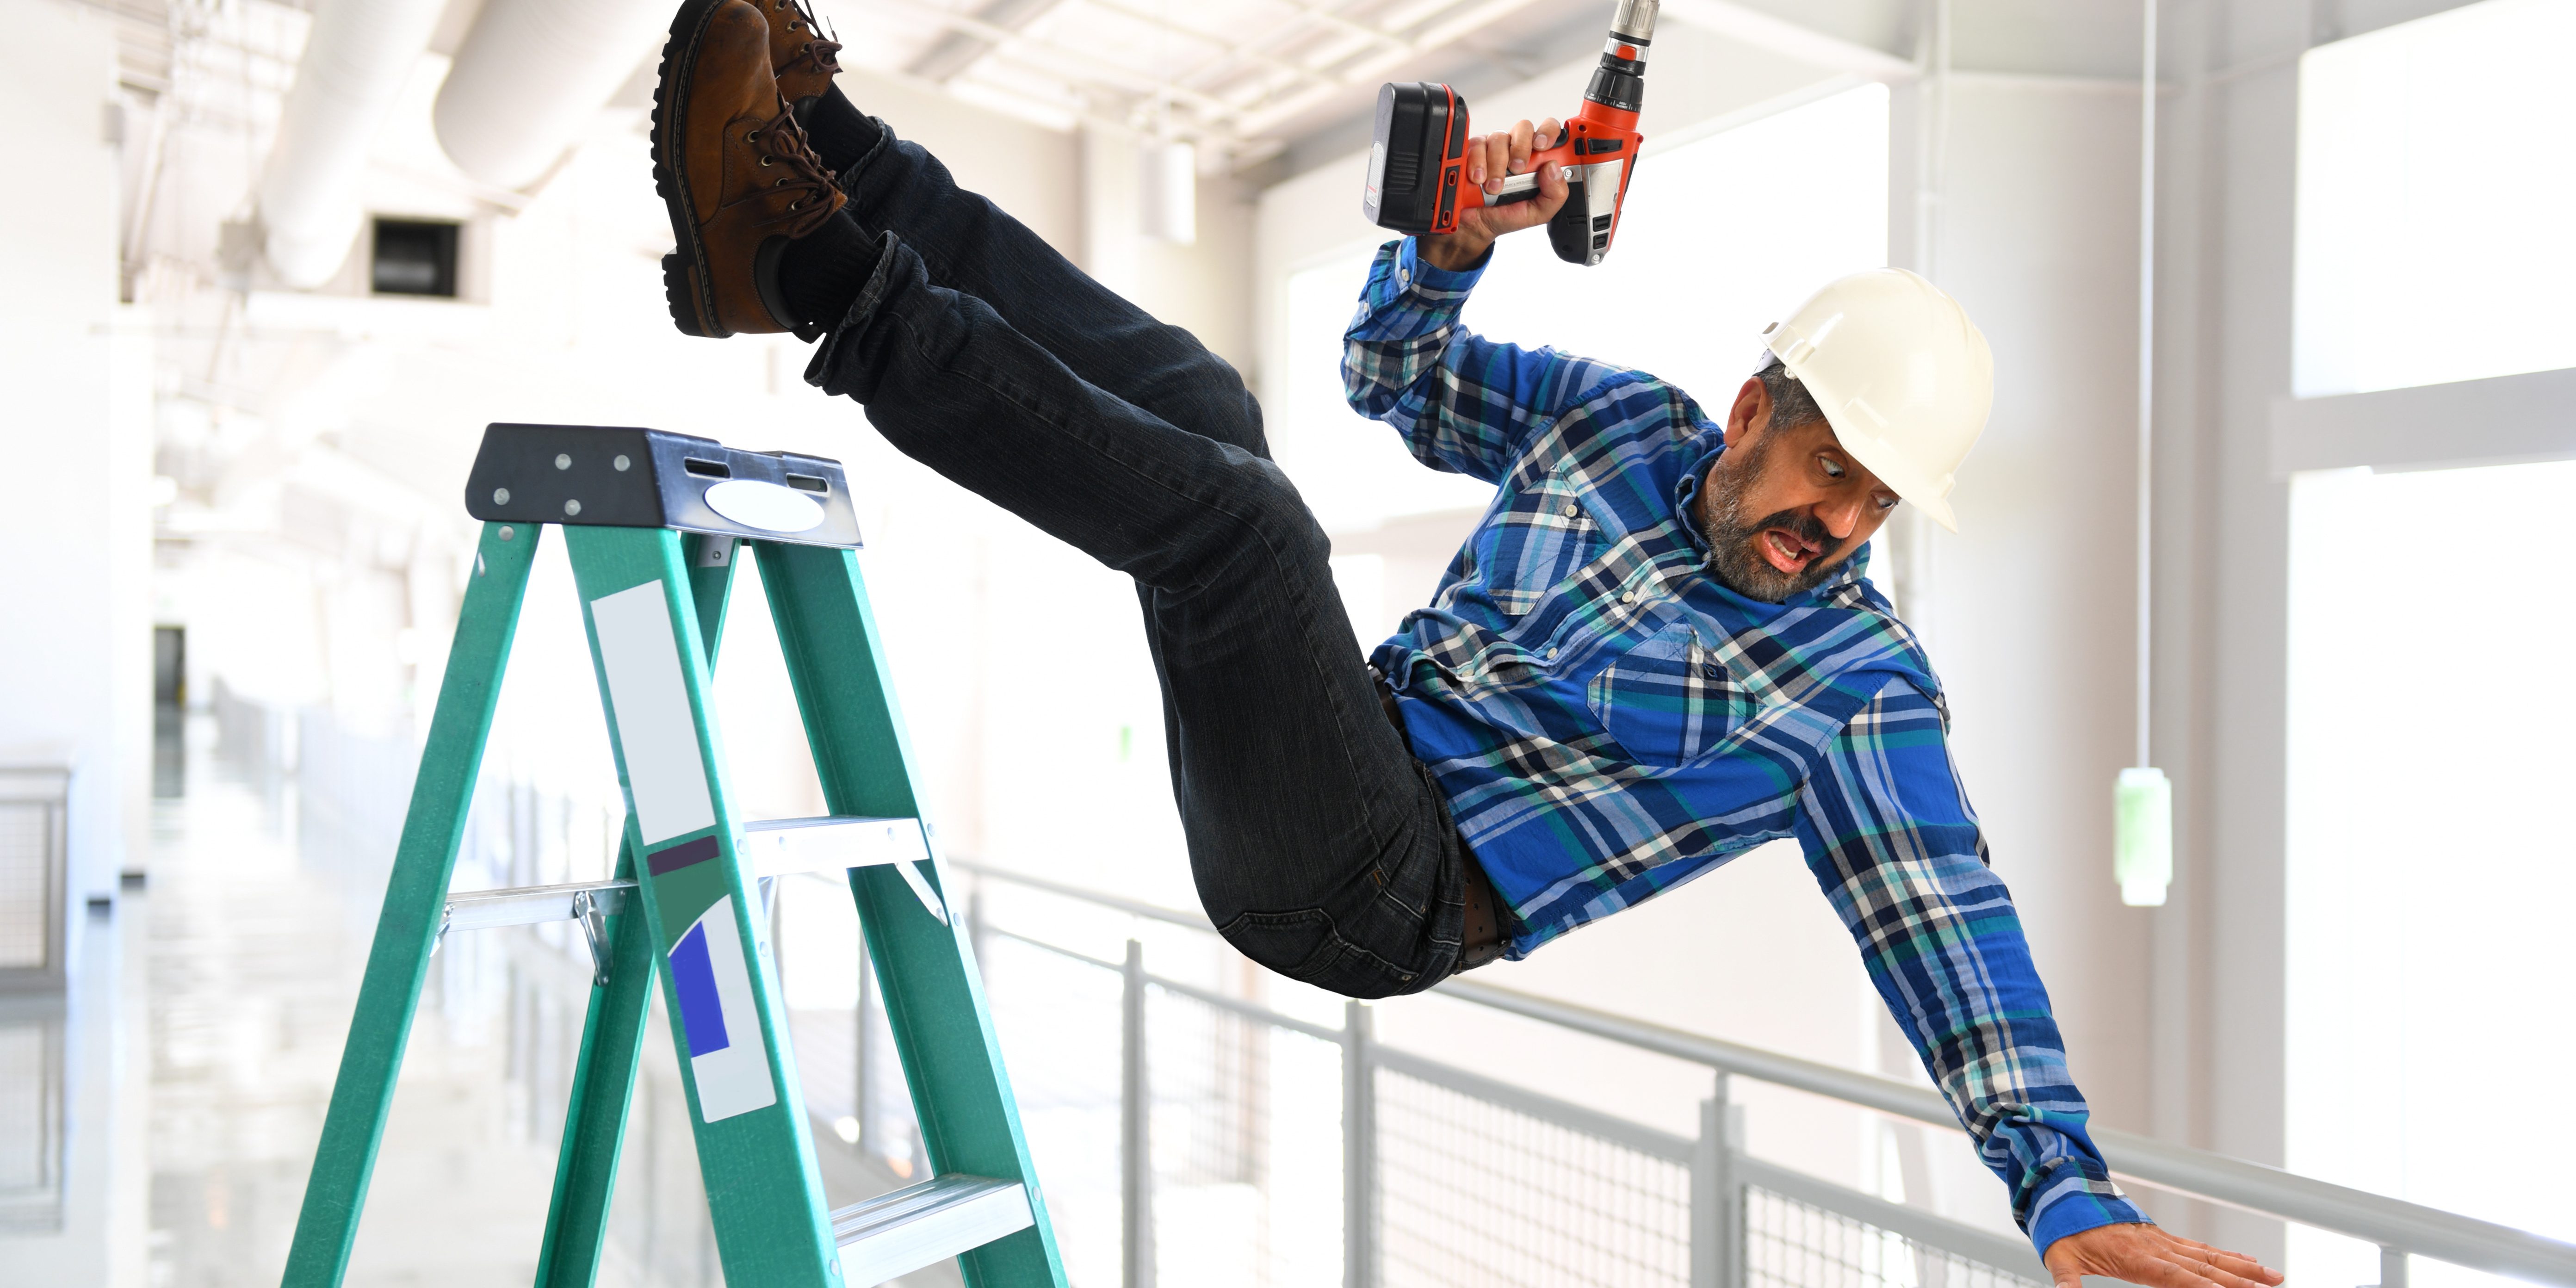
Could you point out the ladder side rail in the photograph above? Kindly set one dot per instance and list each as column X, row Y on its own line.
column 755, row 1149
column 933, row 995
column 415, row 899
column 612, row 1033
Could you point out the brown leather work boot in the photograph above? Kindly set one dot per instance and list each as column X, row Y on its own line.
column 733, row 167
column 799, row 53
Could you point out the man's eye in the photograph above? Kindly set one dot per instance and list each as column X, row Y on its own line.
column 1833, row 468
column 1887, row 503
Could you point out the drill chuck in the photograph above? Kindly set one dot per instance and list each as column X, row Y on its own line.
column 1635, row 19
column 1620, row 80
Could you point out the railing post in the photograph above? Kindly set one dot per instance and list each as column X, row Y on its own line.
column 2392, row 1267
column 1135, row 1120
column 1717, row 1197
column 1359, row 1149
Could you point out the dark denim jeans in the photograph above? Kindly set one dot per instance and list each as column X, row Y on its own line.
column 1322, row 849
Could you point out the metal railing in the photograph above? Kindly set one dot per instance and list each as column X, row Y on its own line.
column 1447, row 1176
column 1190, row 1134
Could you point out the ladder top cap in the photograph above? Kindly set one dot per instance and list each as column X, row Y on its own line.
column 621, row 477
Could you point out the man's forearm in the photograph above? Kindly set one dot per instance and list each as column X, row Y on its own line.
column 1453, row 252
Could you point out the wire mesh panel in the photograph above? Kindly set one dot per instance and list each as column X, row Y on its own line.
column 1247, row 1147
column 1793, row 1244
column 1472, row 1192
column 1058, row 1020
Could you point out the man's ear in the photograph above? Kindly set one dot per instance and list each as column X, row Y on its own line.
column 1751, row 413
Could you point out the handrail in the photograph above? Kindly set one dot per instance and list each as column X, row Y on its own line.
column 1132, row 907
column 2374, row 1218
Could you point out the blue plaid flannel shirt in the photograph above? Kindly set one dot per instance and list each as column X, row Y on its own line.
column 1608, row 721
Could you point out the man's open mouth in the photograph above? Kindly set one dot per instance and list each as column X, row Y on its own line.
column 1786, row 551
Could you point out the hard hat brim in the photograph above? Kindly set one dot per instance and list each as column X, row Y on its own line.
column 1880, row 458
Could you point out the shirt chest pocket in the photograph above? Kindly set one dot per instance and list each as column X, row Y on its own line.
column 1539, row 540
column 1668, row 700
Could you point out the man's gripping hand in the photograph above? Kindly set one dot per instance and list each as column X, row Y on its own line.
column 1489, row 159
column 2146, row 1254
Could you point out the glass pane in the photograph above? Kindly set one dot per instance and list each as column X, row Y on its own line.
column 2432, row 1000
column 2437, row 170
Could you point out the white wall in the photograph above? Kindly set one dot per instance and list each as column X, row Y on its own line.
column 2029, row 615
column 75, row 662
column 75, row 656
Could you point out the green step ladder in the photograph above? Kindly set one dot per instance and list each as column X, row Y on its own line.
column 654, row 524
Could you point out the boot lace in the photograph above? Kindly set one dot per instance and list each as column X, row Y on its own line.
column 812, row 196
column 821, row 48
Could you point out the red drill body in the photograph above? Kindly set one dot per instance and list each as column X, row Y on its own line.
column 1417, row 168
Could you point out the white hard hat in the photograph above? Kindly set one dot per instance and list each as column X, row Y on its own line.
column 1900, row 373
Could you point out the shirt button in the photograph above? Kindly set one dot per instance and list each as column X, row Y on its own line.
column 1571, row 509
column 1628, row 598
column 1551, row 655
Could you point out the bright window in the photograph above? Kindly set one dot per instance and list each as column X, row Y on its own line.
column 2431, row 996
column 2437, row 175
column 1720, row 237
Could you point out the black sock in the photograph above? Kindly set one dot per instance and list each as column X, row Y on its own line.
column 820, row 273
column 839, row 131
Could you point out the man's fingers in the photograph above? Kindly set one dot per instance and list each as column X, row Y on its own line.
column 2236, row 1263
column 1551, row 185
column 2226, row 1277
column 2244, row 1265
column 2167, row 1271
column 1522, row 133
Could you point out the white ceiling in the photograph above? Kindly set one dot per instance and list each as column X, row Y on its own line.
column 1235, row 76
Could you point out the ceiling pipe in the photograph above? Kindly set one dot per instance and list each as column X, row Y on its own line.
column 352, row 69
column 530, row 76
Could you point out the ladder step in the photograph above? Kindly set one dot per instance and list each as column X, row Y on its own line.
column 773, row 847
column 533, row 905
column 896, row 1234
column 779, row 846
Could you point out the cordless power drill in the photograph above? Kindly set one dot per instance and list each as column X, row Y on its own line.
column 1417, row 179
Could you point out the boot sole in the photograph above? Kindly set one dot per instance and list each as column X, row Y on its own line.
column 684, row 284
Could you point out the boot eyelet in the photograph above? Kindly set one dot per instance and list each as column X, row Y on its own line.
column 753, row 137
column 794, row 204
column 764, row 160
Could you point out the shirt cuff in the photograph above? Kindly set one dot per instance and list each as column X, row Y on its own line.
column 1413, row 270
column 2079, row 1210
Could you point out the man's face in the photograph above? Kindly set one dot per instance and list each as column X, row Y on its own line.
column 1783, row 508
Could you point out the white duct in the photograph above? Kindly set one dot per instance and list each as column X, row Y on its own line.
column 530, row 76
column 353, row 68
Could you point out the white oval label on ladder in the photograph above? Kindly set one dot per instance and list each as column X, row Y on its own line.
column 766, row 506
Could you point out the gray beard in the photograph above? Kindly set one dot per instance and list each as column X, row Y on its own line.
column 1733, row 557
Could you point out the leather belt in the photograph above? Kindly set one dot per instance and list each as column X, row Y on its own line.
column 1481, row 937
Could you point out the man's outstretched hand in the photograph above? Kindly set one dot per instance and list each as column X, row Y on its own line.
column 2146, row 1254
column 1490, row 158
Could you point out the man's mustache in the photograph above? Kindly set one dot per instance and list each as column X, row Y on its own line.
column 1801, row 524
